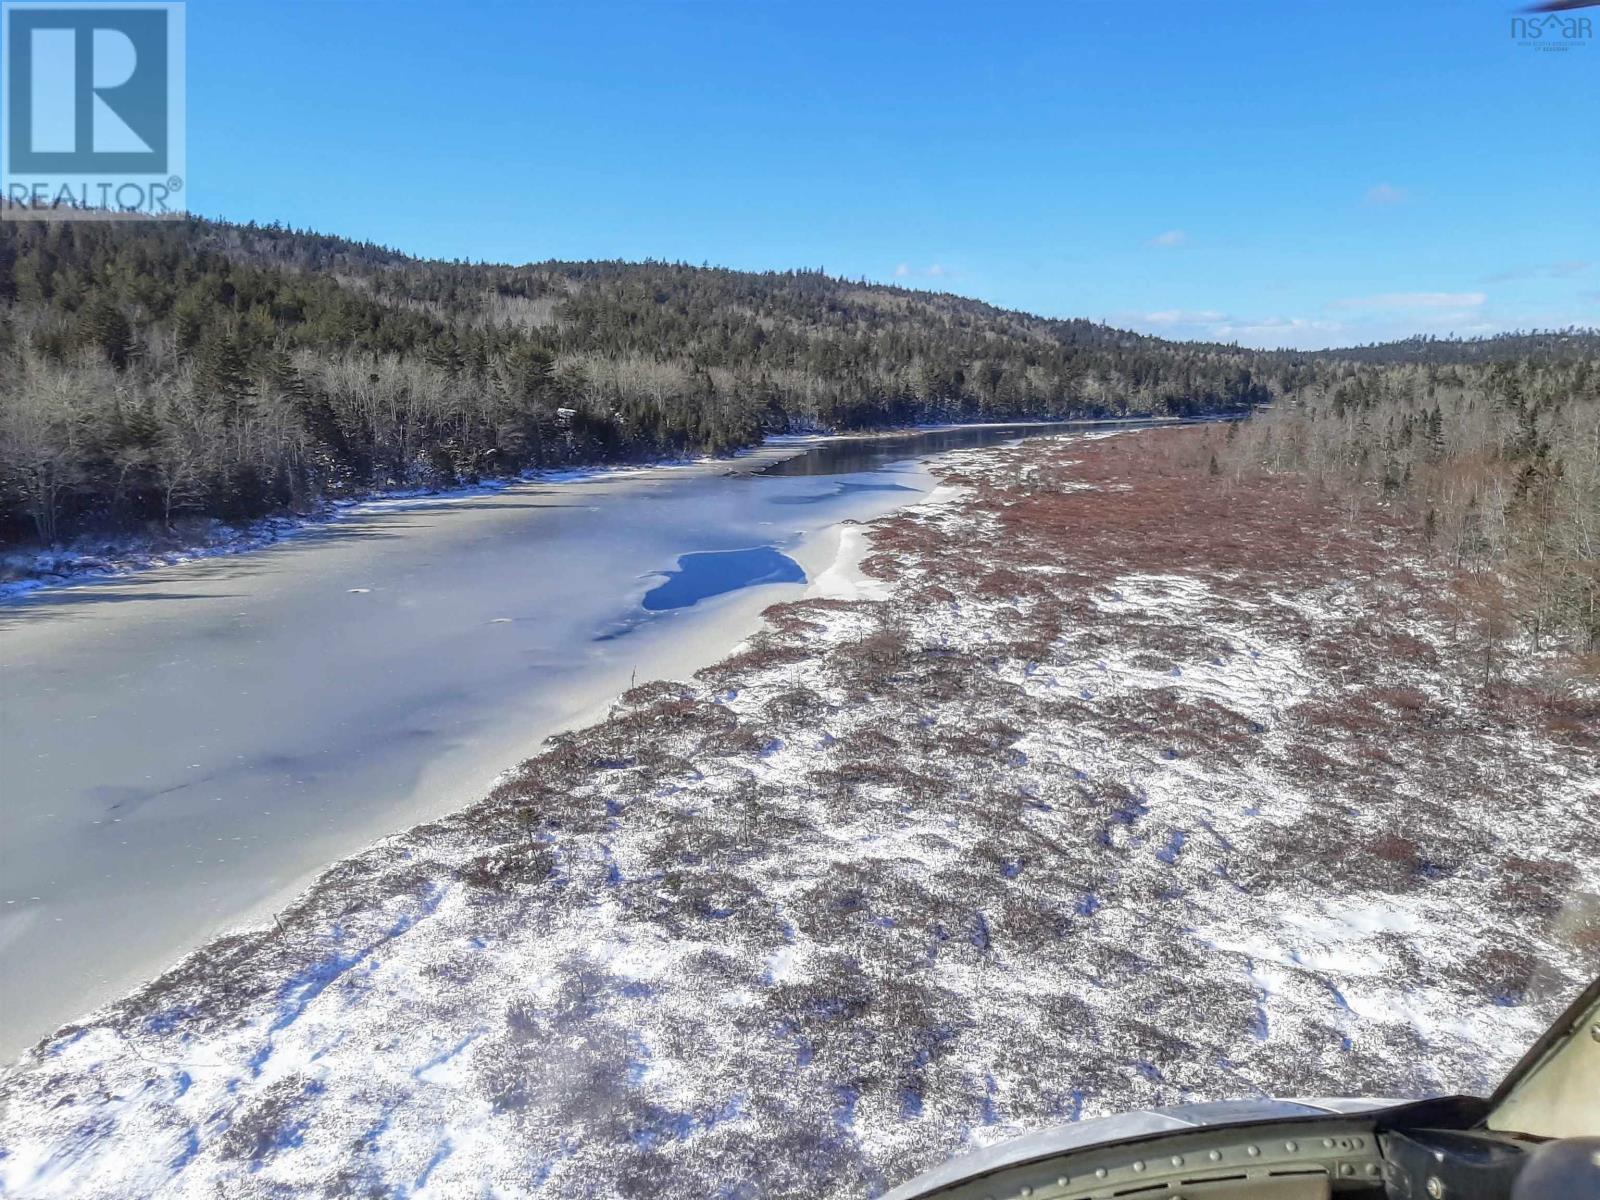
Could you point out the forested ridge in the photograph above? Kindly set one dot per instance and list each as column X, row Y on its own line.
column 1496, row 468
column 155, row 371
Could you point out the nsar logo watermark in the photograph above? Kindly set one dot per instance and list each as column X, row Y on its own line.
column 1552, row 30
column 91, row 111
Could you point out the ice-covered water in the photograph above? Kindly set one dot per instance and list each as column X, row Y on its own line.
column 852, row 455
column 183, row 748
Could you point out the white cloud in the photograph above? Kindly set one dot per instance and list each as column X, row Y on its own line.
column 1287, row 330
column 931, row 271
column 1209, row 325
column 1411, row 302
column 1177, row 316
column 1387, row 193
column 1555, row 270
column 1172, row 237
column 1384, row 317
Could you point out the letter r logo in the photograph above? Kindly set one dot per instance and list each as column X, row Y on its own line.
column 86, row 89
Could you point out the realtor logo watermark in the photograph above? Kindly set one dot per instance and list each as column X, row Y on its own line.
column 91, row 111
column 1552, row 30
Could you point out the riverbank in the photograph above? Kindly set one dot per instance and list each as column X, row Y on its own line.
column 186, row 748
column 1100, row 782
column 90, row 559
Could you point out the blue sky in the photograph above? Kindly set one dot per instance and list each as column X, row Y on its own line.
column 1282, row 173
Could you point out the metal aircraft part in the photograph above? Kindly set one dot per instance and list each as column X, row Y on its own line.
column 1313, row 1149
column 1229, row 1148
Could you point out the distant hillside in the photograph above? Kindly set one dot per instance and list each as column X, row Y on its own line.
column 1535, row 346
column 157, row 370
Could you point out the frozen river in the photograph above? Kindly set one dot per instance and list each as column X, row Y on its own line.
column 183, row 749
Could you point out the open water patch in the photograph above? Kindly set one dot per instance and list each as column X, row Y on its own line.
column 712, row 573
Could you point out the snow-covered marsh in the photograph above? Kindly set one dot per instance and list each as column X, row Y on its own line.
column 1093, row 807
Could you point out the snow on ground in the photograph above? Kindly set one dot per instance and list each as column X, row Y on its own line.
column 1046, row 810
column 91, row 558
column 842, row 580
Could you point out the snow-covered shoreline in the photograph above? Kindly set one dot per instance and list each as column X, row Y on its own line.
column 279, row 683
column 89, row 560
column 93, row 559
column 1040, row 806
